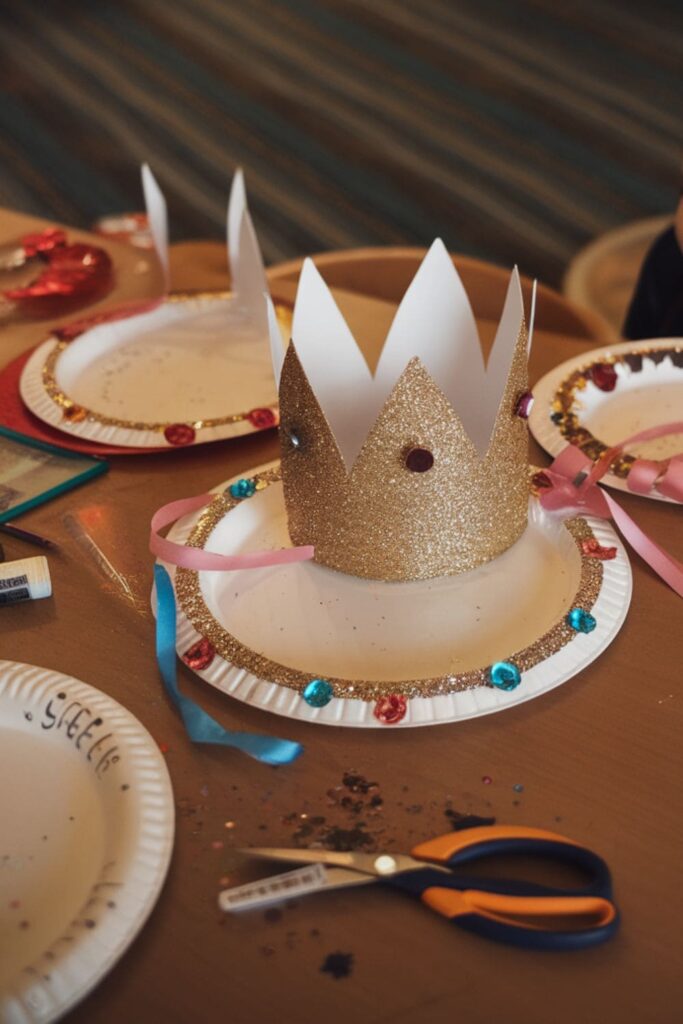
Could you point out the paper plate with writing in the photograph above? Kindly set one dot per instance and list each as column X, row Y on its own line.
column 87, row 820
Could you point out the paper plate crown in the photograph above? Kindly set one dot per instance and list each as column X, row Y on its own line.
column 422, row 469
column 247, row 273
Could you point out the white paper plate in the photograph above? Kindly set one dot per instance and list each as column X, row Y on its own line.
column 641, row 399
column 86, row 831
column 327, row 624
column 193, row 361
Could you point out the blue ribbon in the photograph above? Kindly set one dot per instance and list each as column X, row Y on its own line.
column 201, row 727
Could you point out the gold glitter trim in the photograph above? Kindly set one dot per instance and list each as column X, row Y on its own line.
column 566, row 403
column 382, row 521
column 232, row 650
column 66, row 404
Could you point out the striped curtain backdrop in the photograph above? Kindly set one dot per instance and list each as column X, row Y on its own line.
column 515, row 129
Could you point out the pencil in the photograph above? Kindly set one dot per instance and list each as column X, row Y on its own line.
column 30, row 538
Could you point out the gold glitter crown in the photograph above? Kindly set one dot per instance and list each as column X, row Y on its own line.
column 381, row 473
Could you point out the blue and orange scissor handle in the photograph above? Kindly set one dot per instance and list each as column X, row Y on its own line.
column 513, row 911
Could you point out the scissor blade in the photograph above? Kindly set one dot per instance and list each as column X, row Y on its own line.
column 376, row 864
column 277, row 888
column 296, row 856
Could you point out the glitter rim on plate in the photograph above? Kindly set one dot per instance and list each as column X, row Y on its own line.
column 610, row 609
column 64, row 414
column 557, row 392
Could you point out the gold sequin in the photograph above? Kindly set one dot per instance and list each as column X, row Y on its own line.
column 192, row 602
column 380, row 521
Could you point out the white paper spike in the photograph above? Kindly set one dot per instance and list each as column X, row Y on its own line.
column 247, row 272
column 332, row 361
column 500, row 358
column 277, row 351
column 435, row 322
column 157, row 216
column 532, row 317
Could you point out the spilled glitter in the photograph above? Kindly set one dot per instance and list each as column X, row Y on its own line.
column 338, row 965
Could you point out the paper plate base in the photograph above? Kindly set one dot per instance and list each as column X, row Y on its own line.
column 326, row 624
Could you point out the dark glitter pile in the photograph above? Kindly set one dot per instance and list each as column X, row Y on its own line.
column 338, row 965
column 358, row 800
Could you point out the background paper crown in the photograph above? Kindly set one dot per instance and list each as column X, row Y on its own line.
column 422, row 469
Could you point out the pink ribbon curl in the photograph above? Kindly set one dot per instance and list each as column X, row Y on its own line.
column 574, row 486
column 196, row 558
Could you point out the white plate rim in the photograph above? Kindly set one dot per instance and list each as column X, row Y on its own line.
column 39, row 402
column 549, row 435
column 30, row 998
column 610, row 609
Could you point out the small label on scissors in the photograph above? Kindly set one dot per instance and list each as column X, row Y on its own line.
column 273, row 890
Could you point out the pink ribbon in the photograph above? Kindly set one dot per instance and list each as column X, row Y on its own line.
column 196, row 558
column 574, row 486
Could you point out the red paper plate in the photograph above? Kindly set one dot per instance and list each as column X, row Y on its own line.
column 15, row 415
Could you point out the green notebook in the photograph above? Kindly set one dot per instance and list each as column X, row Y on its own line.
column 32, row 472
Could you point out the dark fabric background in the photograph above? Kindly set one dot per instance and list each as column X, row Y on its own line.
column 515, row 129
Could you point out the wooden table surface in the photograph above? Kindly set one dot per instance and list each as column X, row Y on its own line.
column 599, row 758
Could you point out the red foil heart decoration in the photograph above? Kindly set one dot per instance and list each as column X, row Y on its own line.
column 74, row 274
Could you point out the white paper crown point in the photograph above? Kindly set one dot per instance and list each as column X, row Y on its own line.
column 157, row 216
column 532, row 317
column 434, row 322
column 500, row 361
column 247, row 272
column 335, row 366
column 277, row 351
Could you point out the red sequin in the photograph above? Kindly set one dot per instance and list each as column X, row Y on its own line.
column 74, row 413
column 42, row 242
column 76, row 271
column 541, row 480
column 524, row 404
column 390, row 710
column 180, row 434
column 593, row 549
column 262, row 419
column 604, row 376
column 200, row 655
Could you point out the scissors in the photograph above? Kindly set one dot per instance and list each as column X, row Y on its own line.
column 515, row 912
